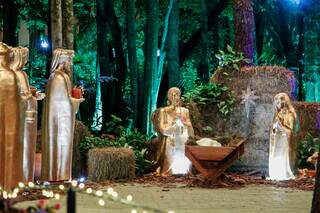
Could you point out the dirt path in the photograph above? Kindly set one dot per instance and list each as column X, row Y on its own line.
column 253, row 198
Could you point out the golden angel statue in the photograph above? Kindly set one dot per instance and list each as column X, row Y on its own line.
column 280, row 139
column 28, row 113
column 174, row 127
column 58, row 119
column 10, row 123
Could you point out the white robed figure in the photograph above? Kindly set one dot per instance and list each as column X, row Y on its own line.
column 280, row 139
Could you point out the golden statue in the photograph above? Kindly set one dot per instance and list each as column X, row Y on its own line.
column 10, row 146
column 281, row 148
column 58, row 119
column 174, row 127
column 28, row 113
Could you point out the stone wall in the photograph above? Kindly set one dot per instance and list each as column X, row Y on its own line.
column 250, row 119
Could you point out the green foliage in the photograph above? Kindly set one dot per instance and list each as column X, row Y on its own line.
column 211, row 93
column 133, row 140
column 231, row 60
column 307, row 148
column 189, row 75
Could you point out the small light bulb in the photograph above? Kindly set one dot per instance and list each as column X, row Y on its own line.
column 115, row 194
column 134, row 211
column 129, row 198
column 170, row 211
column 57, row 196
column 99, row 193
column 110, row 190
column 89, row 190
column 14, row 195
column 16, row 190
column 102, row 202
column 81, row 186
column 31, row 185
column 61, row 187
column 74, row 183
column 21, row 185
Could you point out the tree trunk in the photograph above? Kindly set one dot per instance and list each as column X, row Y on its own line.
column 259, row 22
column 244, row 28
column 56, row 23
column 104, row 63
column 10, row 21
column 67, row 24
column 120, row 59
column 173, row 46
column 151, row 61
column 133, row 63
column 316, row 194
column 203, row 69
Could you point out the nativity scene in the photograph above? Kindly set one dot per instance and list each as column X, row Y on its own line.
column 159, row 106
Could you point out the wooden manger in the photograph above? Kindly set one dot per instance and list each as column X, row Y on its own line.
column 211, row 162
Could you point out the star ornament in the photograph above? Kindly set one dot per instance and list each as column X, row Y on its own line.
column 248, row 98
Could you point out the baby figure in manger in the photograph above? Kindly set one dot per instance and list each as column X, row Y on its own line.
column 174, row 127
column 281, row 148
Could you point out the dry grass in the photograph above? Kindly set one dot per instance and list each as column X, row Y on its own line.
column 111, row 164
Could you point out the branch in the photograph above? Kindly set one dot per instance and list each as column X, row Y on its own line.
column 186, row 49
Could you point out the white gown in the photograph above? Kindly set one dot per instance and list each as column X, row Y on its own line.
column 279, row 162
column 179, row 163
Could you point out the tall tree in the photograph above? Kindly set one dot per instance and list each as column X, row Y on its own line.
column 56, row 23
column 133, row 61
column 316, row 194
column 173, row 46
column 119, row 56
column 103, row 64
column 10, row 21
column 203, row 70
column 67, row 24
column 151, row 61
column 244, row 28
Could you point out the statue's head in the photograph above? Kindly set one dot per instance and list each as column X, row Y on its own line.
column 282, row 101
column 4, row 52
column 174, row 95
column 19, row 58
column 62, row 58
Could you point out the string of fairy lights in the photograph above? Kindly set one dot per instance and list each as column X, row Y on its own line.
column 50, row 191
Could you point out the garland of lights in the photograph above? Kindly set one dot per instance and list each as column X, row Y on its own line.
column 110, row 195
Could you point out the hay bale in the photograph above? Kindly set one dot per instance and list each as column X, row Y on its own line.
column 308, row 119
column 111, row 164
column 78, row 161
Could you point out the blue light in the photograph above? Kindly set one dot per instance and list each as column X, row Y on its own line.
column 296, row 1
column 44, row 44
column 82, row 179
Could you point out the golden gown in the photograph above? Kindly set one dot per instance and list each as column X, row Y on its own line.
column 10, row 148
column 28, row 115
column 58, row 128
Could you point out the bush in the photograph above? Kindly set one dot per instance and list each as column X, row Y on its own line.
column 212, row 93
column 306, row 148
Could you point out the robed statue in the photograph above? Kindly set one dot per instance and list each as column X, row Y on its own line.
column 58, row 119
column 281, row 145
column 28, row 113
column 10, row 123
column 174, row 127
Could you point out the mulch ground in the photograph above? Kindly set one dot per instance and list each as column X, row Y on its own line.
column 232, row 181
